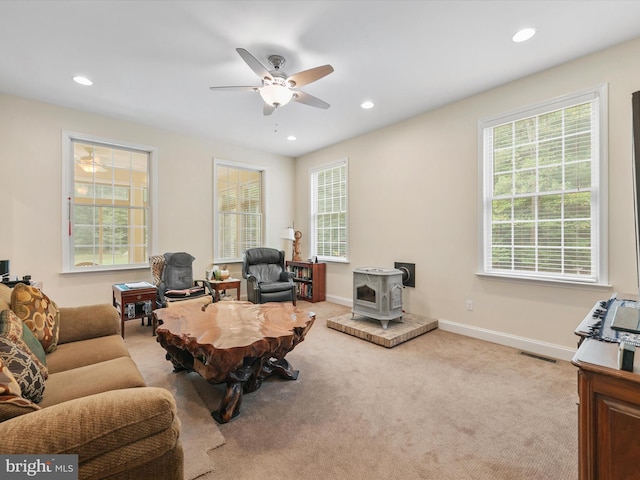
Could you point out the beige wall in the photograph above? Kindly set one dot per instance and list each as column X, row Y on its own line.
column 31, row 190
column 414, row 198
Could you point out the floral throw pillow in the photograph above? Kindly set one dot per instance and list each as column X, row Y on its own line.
column 5, row 297
column 38, row 312
column 24, row 370
column 8, row 384
column 12, row 328
column 12, row 404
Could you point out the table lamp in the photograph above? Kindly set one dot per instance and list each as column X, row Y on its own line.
column 290, row 234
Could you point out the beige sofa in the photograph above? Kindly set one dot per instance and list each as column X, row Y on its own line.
column 96, row 405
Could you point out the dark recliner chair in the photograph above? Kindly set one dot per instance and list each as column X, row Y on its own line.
column 173, row 277
column 267, row 278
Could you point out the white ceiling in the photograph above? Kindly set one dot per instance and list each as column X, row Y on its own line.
column 153, row 61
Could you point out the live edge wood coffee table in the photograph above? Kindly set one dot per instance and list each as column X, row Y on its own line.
column 237, row 343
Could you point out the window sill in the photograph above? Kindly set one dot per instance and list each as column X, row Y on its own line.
column 544, row 281
column 332, row 260
column 104, row 269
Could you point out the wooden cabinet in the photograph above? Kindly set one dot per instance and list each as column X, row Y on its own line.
column 608, row 414
column 310, row 279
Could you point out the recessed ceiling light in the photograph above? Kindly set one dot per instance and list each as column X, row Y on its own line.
column 291, row 138
column 82, row 80
column 367, row 105
column 523, row 35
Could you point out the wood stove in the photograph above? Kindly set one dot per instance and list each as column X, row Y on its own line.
column 377, row 294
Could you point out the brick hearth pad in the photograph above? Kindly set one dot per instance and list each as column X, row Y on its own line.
column 370, row 330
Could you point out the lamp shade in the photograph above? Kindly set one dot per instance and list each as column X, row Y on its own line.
column 276, row 95
column 289, row 234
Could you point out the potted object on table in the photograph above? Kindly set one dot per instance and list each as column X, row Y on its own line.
column 224, row 273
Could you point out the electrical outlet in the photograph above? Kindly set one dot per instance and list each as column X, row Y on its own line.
column 469, row 304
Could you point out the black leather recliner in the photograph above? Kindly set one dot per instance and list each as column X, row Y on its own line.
column 173, row 276
column 267, row 278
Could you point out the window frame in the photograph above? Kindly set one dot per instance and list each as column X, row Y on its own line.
column 314, row 210
column 68, row 180
column 598, row 189
column 216, row 227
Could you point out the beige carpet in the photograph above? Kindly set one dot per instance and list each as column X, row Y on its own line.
column 200, row 434
column 438, row 407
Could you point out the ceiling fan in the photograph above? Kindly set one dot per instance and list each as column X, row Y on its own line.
column 277, row 87
column 90, row 163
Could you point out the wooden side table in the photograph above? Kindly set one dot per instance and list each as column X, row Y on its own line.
column 227, row 284
column 134, row 303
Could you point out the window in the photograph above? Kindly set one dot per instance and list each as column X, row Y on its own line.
column 238, row 205
column 107, row 204
column 329, row 212
column 544, row 191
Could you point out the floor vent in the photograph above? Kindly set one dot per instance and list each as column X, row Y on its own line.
column 539, row 357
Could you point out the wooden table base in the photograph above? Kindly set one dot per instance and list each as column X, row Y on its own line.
column 249, row 379
column 237, row 343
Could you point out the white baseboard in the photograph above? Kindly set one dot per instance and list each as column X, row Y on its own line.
column 347, row 302
column 525, row 344
column 521, row 343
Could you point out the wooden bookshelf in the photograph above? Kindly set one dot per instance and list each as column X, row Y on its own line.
column 310, row 280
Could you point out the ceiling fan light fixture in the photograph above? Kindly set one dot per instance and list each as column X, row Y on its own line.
column 91, row 164
column 90, row 167
column 276, row 95
column 277, row 87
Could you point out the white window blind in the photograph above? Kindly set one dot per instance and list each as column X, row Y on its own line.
column 107, row 208
column 542, row 191
column 329, row 197
column 238, row 224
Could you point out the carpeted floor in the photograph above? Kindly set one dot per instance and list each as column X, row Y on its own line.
column 200, row 434
column 439, row 406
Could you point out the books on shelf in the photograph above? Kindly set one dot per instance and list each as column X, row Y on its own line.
column 302, row 273
column 309, row 279
column 305, row 290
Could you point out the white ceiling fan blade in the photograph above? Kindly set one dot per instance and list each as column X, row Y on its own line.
column 268, row 109
column 301, row 79
column 237, row 88
column 254, row 64
column 307, row 99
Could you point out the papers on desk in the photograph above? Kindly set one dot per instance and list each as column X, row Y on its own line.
column 135, row 285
